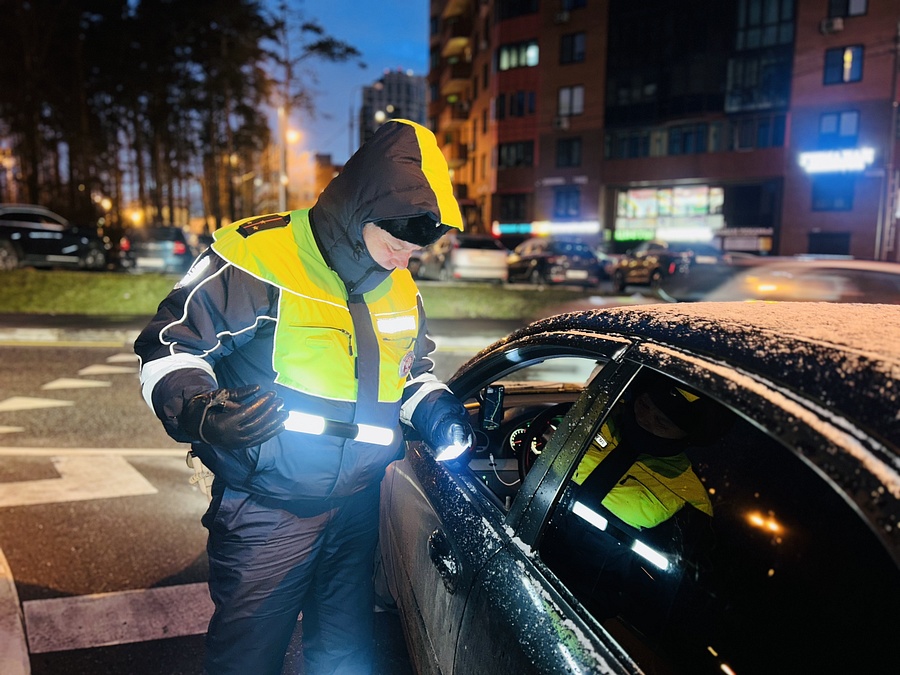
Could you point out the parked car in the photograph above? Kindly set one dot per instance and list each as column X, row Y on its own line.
column 675, row 270
column 786, row 559
column 31, row 235
column 543, row 260
column 827, row 280
column 156, row 249
column 459, row 256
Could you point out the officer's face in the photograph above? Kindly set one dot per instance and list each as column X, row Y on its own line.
column 388, row 251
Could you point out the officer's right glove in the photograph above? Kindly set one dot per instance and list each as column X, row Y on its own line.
column 233, row 418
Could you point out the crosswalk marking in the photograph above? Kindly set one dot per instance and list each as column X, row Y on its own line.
column 81, row 478
column 125, row 357
column 104, row 619
column 11, row 430
column 16, row 403
column 72, row 383
column 102, row 369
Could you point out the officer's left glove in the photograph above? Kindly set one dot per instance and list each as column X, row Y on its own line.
column 451, row 437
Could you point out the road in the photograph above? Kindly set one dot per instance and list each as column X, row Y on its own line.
column 101, row 547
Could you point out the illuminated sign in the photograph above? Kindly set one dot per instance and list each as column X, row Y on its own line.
column 837, row 161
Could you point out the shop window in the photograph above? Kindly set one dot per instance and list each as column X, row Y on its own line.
column 514, row 208
column 829, row 243
column 567, row 201
column 839, row 130
column 843, row 65
column 832, row 192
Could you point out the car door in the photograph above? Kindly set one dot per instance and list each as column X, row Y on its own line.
column 518, row 618
column 516, row 261
column 784, row 555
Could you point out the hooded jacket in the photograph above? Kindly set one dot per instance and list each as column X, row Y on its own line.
column 295, row 303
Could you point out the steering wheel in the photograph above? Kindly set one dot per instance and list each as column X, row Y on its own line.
column 533, row 440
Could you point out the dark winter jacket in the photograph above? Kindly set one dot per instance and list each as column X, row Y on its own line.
column 295, row 303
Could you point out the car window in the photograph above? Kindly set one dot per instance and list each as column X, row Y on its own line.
column 571, row 248
column 718, row 553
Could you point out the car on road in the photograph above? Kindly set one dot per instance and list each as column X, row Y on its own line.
column 162, row 249
column 34, row 236
column 542, row 260
column 675, row 270
column 766, row 542
column 464, row 257
column 822, row 280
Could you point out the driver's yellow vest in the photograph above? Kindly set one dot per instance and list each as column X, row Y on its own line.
column 315, row 347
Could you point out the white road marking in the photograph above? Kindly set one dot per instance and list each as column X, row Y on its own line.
column 100, row 369
column 72, row 383
column 85, row 452
column 103, row 619
column 13, row 650
column 81, row 479
column 11, row 430
column 122, row 358
column 17, row 403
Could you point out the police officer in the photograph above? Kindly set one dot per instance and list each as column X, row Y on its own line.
column 288, row 357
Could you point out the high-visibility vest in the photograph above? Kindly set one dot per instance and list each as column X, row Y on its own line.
column 315, row 348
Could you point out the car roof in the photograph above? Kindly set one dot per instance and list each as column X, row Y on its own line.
column 844, row 356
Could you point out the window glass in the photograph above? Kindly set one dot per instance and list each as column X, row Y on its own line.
column 703, row 545
column 843, row 64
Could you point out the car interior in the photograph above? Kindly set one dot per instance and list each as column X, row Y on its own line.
column 681, row 556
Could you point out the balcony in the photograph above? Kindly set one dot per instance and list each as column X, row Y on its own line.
column 456, row 35
column 457, row 154
column 455, row 77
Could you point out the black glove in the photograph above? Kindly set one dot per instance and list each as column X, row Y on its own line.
column 233, row 418
column 452, row 434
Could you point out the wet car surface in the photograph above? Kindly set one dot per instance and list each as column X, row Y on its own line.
column 784, row 560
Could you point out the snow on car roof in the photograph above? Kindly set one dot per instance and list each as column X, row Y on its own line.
column 845, row 356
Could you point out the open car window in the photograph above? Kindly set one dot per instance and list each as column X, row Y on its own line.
column 681, row 546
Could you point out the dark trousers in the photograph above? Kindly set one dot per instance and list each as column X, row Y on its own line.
column 270, row 560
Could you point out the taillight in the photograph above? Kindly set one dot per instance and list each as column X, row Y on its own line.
column 672, row 267
column 178, row 248
column 124, row 244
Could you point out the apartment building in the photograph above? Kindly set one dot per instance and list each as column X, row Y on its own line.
column 396, row 94
column 763, row 126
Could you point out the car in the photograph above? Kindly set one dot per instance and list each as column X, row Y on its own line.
column 825, row 280
column 34, row 236
column 782, row 556
column 675, row 270
column 543, row 260
column 463, row 257
column 160, row 248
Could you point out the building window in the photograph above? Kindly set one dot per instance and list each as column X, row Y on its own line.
column 500, row 107
column 571, row 100
column 567, row 201
column 573, row 4
column 839, row 130
column 843, row 64
column 832, row 192
column 521, row 103
column 516, row 154
column 764, row 24
column 572, row 48
column 514, row 208
column 844, row 8
column 509, row 9
column 568, row 152
column 518, row 55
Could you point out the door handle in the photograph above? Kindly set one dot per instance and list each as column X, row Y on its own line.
column 443, row 559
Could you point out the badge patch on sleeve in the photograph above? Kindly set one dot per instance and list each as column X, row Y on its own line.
column 406, row 364
column 264, row 223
